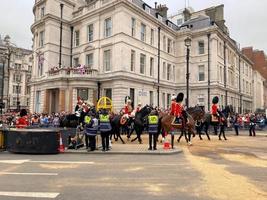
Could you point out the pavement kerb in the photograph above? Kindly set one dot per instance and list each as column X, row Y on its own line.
column 165, row 152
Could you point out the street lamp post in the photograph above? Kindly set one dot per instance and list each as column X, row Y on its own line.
column 187, row 42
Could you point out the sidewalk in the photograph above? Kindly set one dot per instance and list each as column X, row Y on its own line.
column 129, row 148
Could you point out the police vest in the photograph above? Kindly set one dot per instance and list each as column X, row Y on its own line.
column 153, row 124
column 105, row 125
column 87, row 119
column 91, row 129
column 153, row 119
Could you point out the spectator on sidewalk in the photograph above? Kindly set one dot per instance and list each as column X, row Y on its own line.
column 236, row 123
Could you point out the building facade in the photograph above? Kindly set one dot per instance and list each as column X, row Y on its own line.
column 127, row 48
column 259, row 60
column 16, row 71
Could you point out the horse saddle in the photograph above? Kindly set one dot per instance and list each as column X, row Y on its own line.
column 177, row 122
column 123, row 119
column 214, row 118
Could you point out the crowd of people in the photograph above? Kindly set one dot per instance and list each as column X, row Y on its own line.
column 93, row 121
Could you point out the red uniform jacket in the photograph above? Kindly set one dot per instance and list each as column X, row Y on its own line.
column 214, row 109
column 22, row 122
column 127, row 110
column 178, row 109
column 173, row 105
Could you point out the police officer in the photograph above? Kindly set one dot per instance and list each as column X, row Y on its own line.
column 153, row 121
column 91, row 127
column 105, row 129
column 252, row 125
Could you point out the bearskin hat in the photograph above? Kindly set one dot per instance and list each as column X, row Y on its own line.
column 23, row 113
column 215, row 100
column 180, row 97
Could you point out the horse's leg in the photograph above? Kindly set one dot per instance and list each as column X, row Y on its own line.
column 185, row 135
column 139, row 136
column 181, row 135
column 172, row 139
column 119, row 136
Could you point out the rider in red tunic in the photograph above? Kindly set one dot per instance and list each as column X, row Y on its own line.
column 173, row 105
column 215, row 112
column 179, row 108
column 215, row 107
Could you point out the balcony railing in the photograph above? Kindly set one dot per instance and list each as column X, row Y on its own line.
column 72, row 72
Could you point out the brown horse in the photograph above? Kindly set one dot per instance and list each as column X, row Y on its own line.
column 194, row 113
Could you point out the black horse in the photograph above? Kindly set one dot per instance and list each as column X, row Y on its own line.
column 117, row 126
column 207, row 122
column 140, row 122
column 195, row 113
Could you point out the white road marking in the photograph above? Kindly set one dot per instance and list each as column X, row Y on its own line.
column 17, row 162
column 30, row 194
column 62, row 162
column 29, row 174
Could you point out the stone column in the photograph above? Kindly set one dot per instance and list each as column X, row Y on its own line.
column 46, row 101
column 61, row 100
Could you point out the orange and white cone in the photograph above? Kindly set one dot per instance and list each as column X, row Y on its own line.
column 61, row 148
column 166, row 144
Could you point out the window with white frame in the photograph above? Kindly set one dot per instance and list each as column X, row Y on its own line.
column 17, row 78
column 16, row 89
column 108, row 27
column 151, row 70
column 108, row 92
column 14, row 101
column 83, row 93
column 133, row 27
column 201, row 47
column 77, row 38
column 38, row 102
column 164, row 71
column 173, row 73
column 90, row 30
column 143, row 32
column 90, row 60
column 152, row 37
column 107, row 60
column 142, row 63
column 132, row 60
column 201, row 73
column 41, row 39
column 169, row 72
column 201, row 100
column 75, row 62
column 42, row 11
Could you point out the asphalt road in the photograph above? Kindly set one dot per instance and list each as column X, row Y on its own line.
column 233, row 169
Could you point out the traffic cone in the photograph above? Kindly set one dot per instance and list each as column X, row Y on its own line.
column 61, row 147
column 166, row 144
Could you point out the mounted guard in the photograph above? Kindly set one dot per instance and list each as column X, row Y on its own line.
column 215, row 112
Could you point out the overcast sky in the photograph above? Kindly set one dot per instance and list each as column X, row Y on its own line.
column 246, row 19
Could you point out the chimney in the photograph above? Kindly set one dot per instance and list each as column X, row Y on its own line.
column 156, row 3
column 162, row 10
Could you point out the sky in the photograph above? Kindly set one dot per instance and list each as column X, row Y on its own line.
column 246, row 19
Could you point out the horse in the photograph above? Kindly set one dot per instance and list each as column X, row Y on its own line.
column 207, row 120
column 116, row 127
column 140, row 121
column 194, row 113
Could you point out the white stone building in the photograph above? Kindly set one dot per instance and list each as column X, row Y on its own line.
column 17, row 63
column 117, row 42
